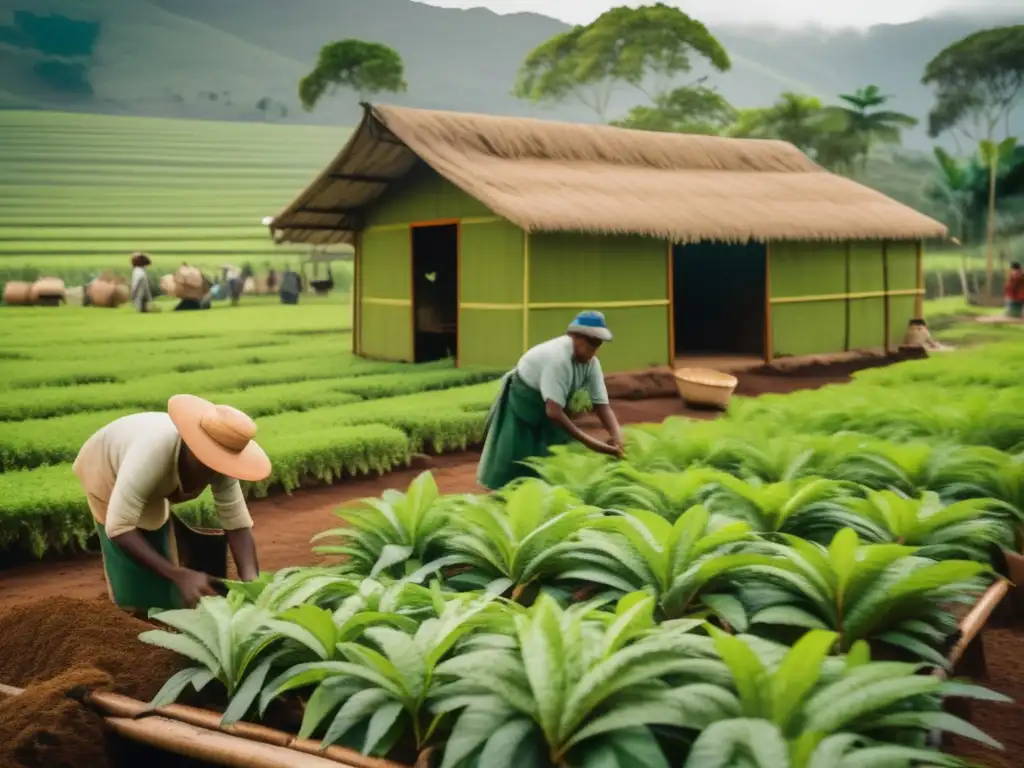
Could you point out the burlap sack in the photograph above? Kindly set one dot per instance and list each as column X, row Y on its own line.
column 17, row 293
column 168, row 286
column 189, row 283
column 47, row 288
column 107, row 294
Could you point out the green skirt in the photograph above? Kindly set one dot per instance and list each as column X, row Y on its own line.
column 133, row 586
column 517, row 428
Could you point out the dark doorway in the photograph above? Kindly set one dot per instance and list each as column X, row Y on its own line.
column 719, row 296
column 435, row 291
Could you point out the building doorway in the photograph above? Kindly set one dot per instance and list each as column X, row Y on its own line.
column 435, row 291
column 719, row 294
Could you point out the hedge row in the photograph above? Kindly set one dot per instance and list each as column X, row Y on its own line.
column 444, row 420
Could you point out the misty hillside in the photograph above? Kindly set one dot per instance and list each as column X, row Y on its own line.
column 217, row 59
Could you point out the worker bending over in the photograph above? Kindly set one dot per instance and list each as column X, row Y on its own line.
column 134, row 468
column 529, row 414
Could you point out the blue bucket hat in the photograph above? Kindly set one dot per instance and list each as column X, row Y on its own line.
column 591, row 324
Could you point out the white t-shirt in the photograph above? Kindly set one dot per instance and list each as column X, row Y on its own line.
column 131, row 467
column 550, row 369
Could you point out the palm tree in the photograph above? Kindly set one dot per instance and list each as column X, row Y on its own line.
column 864, row 124
column 952, row 188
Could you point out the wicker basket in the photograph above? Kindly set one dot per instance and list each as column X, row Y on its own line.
column 705, row 387
column 107, row 294
column 46, row 290
column 17, row 293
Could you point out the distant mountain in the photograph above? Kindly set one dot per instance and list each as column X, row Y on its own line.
column 218, row 58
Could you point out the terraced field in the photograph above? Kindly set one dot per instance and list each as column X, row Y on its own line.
column 321, row 411
column 78, row 193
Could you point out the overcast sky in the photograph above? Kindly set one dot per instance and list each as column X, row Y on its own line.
column 782, row 13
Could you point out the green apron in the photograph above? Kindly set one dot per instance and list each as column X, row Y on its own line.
column 517, row 428
column 133, row 586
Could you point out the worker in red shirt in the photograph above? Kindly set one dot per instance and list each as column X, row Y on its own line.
column 1014, row 291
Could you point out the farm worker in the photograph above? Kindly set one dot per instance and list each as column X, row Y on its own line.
column 291, row 286
column 140, row 291
column 234, row 283
column 529, row 414
column 1014, row 291
column 136, row 466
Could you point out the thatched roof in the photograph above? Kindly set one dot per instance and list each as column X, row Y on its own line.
column 549, row 176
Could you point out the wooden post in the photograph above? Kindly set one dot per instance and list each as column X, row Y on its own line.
column 526, row 290
column 846, row 342
column 885, row 287
column 769, row 339
column 919, row 301
column 671, row 305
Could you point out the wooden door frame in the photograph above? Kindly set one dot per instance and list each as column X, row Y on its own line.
column 413, row 226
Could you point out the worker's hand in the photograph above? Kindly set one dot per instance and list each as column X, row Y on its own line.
column 616, row 450
column 193, row 585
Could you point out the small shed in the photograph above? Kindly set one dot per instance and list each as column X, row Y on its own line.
column 478, row 236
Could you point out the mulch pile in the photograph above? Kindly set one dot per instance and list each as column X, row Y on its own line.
column 1004, row 652
column 61, row 646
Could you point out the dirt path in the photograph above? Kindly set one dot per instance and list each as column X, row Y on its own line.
column 285, row 524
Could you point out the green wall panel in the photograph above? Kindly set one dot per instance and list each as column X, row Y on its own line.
column 490, row 338
column 492, row 264
column 867, row 316
column 641, row 335
column 570, row 267
column 423, row 196
column 901, row 312
column 387, row 268
column 387, row 332
column 808, row 269
column 902, row 259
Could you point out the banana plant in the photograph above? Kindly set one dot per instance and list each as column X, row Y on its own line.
column 389, row 535
column 883, row 592
column 793, row 716
column 813, row 508
column 971, row 529
column 513, row 540
column 572, row 691
column 678, row 561
column 380, row 683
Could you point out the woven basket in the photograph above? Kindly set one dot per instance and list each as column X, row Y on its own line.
column 106, row 294
column 47, row 288
column 705, row 387
column 168, row 286
column 17, row 293
column 189, row 283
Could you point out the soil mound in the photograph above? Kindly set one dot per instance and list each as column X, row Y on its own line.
column 47, row 726
column 48, row 638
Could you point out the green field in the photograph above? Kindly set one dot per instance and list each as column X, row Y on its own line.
column 79, row 193
column 321, row 411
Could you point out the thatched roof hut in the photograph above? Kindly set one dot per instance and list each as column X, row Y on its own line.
column 687, row 243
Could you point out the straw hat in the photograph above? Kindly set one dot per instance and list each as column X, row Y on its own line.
column 220, row 436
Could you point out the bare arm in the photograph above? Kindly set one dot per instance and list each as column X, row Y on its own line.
column 557, row 414
column 243, row 550
column 610, row 423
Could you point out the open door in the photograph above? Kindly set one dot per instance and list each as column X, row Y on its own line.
column 719, row 298
column 435, row 295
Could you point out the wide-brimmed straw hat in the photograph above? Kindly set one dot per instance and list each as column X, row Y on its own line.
column 220, row 436
column 591, row 324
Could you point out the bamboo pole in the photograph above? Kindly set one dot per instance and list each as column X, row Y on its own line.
column 972, row 624
column 302, row 753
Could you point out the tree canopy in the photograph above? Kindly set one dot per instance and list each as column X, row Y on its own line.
column 978, row 82
column 645, row 47
column 690, row 109
column 364, row 67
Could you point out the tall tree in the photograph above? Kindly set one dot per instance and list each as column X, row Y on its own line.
column 864, row 123
column 646, row 48
column 364, row 67
column 689, row 109
column 978, row 82
column 993, row 155
column 953, row 190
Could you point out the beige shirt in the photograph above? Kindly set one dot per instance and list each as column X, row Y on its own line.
column 131, row 467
